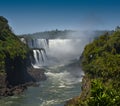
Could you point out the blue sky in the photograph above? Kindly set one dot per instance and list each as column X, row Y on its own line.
column 29, row 16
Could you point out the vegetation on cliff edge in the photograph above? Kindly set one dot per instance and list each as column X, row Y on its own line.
column 10, row 45
column 101, row 63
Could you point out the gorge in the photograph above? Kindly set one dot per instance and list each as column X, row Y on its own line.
column 59, row 53
column 54, row 56
column 60, row 59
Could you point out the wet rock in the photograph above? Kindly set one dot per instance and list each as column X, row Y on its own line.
column 37, row 74
column 6, row 89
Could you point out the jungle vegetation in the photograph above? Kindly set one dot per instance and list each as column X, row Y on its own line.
column 101, row 64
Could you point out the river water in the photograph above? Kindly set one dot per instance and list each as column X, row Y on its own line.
column 63, row 83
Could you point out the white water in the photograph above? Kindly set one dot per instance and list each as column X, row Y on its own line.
column 63, row 83
column 38, row 43
column 58, row 51
column 39, row 57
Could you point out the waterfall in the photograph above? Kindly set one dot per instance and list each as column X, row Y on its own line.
column 40, row 58
column 48, row 52
column 39, row 48
column 38, row 43
column 35, row 56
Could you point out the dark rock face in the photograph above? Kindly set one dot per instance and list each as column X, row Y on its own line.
column 37, row 74
column 17, row 78
column 2, row 80
column 15, row 71
column 11, row 85
column 12, row 91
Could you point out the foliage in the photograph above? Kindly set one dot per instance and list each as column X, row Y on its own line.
column 102, row 57
column 101, row 61
column 102, row 95
column 10, row 45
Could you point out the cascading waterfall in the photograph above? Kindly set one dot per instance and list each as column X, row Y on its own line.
column 35, row 56
column 38, row 43
column 51, row 51
column 40, row 58
column 39, row 48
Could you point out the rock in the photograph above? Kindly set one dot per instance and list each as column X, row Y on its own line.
column 37, row 74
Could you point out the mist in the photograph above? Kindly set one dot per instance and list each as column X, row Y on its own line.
column 62, row 47
column 69, row 48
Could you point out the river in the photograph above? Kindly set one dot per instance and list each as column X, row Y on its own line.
column 63, row 83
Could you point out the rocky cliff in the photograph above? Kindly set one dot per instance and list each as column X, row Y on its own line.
column 14, row 62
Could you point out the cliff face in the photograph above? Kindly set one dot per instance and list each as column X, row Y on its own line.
column 101, row 63
column 14, row 61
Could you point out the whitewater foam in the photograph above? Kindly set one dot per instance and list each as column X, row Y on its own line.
column 63, row 79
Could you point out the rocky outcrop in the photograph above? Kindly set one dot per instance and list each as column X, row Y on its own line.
column 37, row 74
column 12, row 90
column 7, row 88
